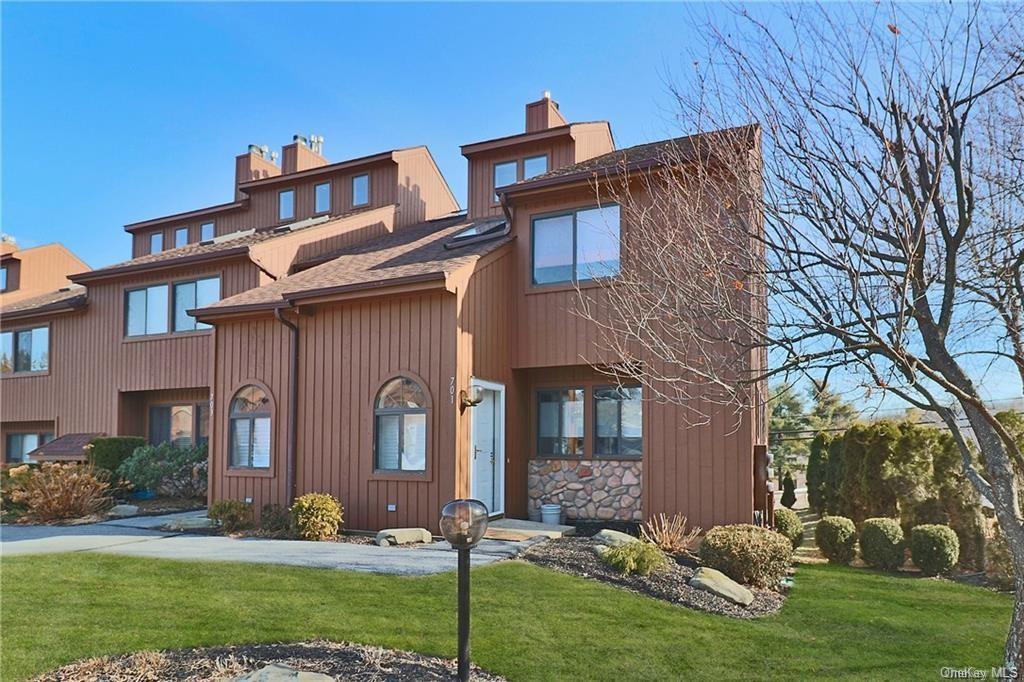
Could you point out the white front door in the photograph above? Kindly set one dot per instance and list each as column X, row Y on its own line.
column 487, row 447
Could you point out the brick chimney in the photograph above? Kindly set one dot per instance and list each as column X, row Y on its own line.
column 543, row 114
column 302, row 154
column 253, row 165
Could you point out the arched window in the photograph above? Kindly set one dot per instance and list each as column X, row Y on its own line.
column 250, row 428
column 400, row 417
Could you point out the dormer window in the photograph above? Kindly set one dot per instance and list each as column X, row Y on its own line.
column 361, row 190
column 3, row 279
column 286, row 205
column 206, row 232
column 180, row 237
column 504, row 174
column 322, row 198
column 156, row 242
column 534, row 166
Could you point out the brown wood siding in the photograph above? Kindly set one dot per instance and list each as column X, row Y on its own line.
column 560, row 153
column 422, row 192
column 39, row 270
column 592, row 139
column 347, row 351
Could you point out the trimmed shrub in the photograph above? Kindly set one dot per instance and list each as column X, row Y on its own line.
column 55, row 492
column 934, row 548
column 882, row 543
column 789, row 524
column 670, row 535
column 817, row 467
column 275, row 519
column 110, row 453
column 169, row 470
column 316, row 516
column 836, row 537
column 230, row 514
column 788, row 491
column 641, row 558
column 748, row 554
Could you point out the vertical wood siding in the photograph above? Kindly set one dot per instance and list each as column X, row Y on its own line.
column 39, row 270
column 480, row 188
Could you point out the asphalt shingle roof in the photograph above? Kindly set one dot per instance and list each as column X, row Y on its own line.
column 62, row 298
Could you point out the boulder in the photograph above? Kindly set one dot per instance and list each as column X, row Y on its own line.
column 123, row 510
column 599, row 550
column 719, row 583
column 614, row 537
column 191, row 522
column 403, row 536
column 279, row 672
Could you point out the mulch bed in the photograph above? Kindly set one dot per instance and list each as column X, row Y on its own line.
column 263, row 534
column 576, row 556
column 340, row 660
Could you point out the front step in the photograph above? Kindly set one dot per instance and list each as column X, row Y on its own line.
column 521, row 529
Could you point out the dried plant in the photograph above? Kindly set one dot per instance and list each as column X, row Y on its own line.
column 62, row 491
column 670, row 534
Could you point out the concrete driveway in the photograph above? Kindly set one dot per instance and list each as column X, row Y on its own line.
column 138, row 537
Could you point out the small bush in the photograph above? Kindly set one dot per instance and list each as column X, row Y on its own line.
column 168, row 470
column 275, row 519
column 670, row 535
column 230, row 514
column 11, row 479
column 788, row 491
column 934, row 548
column 641, row 558
column 748, row 554
column 110, row 453
column 55, row 492
column 789, row 524
column 882, row 543
column 316, row 516
column 836, row 537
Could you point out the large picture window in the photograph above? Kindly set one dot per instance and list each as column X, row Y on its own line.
column 400, row 433
column 19, row 445
column 190, row 295
column 618, row 422
column 146, row 311
column 560, row 422
column 576, row 246
column 25, row 350
column 249, row 429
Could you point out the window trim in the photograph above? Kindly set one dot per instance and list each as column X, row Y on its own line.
column 170, row 333
column 14, row 349
column 574, row 281
column 174, row 299
column 425, row 475
column 330, row 197
column 495, row 200
column 158, row 233
column 597, row 454
column 547, row 165
column 231, row 469
column 188, row 236
column 281, row 193
column 537, row 390
column 213, row 231
column 352, row 189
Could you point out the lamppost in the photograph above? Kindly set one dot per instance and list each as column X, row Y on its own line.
column 463, row 523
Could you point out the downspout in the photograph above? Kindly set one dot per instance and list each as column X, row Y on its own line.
column 293, row 399
column 507, row 210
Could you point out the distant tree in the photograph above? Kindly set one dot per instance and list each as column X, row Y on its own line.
column 787, row 430
column 829, row 411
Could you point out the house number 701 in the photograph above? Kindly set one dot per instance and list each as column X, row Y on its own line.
column 451, row 389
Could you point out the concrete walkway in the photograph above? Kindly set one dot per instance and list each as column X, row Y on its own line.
column 138, row 537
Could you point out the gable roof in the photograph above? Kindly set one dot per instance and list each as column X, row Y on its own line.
column 414, row 254
column 236, row 243
column 66, row 298
column 685, row 148
column 69, row 446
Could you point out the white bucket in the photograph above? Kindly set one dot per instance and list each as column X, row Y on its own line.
column 551, row 514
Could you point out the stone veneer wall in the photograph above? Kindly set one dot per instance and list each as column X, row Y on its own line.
column 587, row 489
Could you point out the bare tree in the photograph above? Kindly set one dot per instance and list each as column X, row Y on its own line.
column 871, row 222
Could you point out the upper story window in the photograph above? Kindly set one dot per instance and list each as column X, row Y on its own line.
column 180, row 237
column 400, row 434
column 195, row 294
column 3, row 279
column 618, row 421
column 206, row 232
column 535, row 165
column 505, row 173
column 577, row 245
column 146, row 311
column 286, row 204
column 322, row 198
column 25, row 350
column 249, row 428
column 560, row 422
column 156, row 242
column 361, row 190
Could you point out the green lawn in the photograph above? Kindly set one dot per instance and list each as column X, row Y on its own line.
column 529, row 623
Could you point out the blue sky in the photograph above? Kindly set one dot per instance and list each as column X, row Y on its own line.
column 114, row 113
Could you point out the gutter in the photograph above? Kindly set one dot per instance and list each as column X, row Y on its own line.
column 293, row 393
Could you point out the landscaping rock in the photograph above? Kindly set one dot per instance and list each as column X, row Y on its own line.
column 403, row 536
column 191, row 523
column 614, row 537
column 278, row 672
column 600, row 550
column 123, row 510
column 719, row 583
